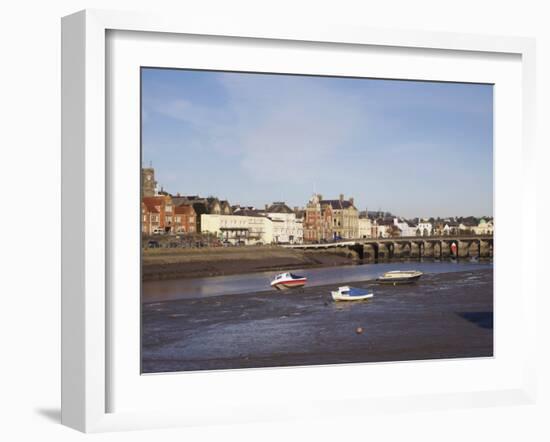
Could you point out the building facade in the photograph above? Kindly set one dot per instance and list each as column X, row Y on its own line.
column 484, row 227
column 239, row 229
column 424, row 228
column 365, row 228
column 150, row 219
column 407, row 228
column 185, row 219
column 286, row 228
column 345, row 218
column 162, row 204
column 317, row 220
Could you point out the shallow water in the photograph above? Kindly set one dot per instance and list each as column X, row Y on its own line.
column 444, row 315
column 174, row 289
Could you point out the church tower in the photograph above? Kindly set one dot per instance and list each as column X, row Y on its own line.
column 148, row 183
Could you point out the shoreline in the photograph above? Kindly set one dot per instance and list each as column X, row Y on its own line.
column 167, row 264
column 171, row 265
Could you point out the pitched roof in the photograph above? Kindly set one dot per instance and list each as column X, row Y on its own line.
column 279, row 207
column 184, row 209
column 154, row 200
column 151, row 207
column 248, row 212
column 337, row 204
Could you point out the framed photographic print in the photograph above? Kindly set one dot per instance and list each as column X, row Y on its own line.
column 270, row 223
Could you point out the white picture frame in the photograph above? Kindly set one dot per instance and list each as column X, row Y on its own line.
column 86, row 259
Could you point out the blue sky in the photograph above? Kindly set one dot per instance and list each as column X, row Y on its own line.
column 411, row 148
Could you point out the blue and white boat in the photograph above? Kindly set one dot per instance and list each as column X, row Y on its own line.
column 347, row 293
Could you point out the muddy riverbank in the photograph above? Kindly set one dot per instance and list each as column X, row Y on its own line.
column 195, row 263
column 446, row 315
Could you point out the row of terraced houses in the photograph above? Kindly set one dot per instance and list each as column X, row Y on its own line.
column 321, row 220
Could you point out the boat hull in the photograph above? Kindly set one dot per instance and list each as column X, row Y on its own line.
column 336, row 296
column 398, row 280
column 288, row 285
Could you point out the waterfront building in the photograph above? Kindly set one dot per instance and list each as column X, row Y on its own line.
column 467, row 226
column 286, row 228
column 438, row 227
column 382, row 228
column 185, row 219
column 317, row 221
column 327, row 220
column 239, row 229
column 217, row 207
column 345, row 218
column 450, row 228
column 365, row 228
column 150, row 219
column 424, row 228
column 407, row 228
column 201, row 206
column 164, row 206
column 484, row 227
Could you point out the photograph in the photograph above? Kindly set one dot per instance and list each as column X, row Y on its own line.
column 302, row 220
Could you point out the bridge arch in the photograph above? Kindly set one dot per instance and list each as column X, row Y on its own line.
column 438, row 249
column 375, row 248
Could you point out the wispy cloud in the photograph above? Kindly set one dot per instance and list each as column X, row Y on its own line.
column 409, row 147
column 276, row 127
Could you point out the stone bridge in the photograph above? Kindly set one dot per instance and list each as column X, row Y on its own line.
column 438, row 247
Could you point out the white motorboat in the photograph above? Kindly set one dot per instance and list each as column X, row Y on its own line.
column 285, row 281
column 400, row 277
column 347, row 293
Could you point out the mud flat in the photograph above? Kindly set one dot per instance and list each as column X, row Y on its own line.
column 445, row 315
column 194, row 263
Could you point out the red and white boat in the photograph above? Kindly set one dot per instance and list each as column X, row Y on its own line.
column 285, row 281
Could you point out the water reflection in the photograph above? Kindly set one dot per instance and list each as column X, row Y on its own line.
column 155, row 291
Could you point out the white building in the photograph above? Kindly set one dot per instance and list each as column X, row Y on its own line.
column 365, row 228
column 425, row 228
column 407, row 229
column 484, row 227
column 286, row 228
column 239, row 229
column 380, row 230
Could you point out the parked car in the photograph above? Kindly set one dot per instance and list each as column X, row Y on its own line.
column 152, row 244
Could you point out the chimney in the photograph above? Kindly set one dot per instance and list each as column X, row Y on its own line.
column 266, row 207
column 351, row 201
column 341, row 197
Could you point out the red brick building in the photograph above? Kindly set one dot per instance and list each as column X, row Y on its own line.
column 185, row 219
column 317, row 220
column 163, row 207
column 150, row 219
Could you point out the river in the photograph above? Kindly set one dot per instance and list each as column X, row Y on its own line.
column 177, row 289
